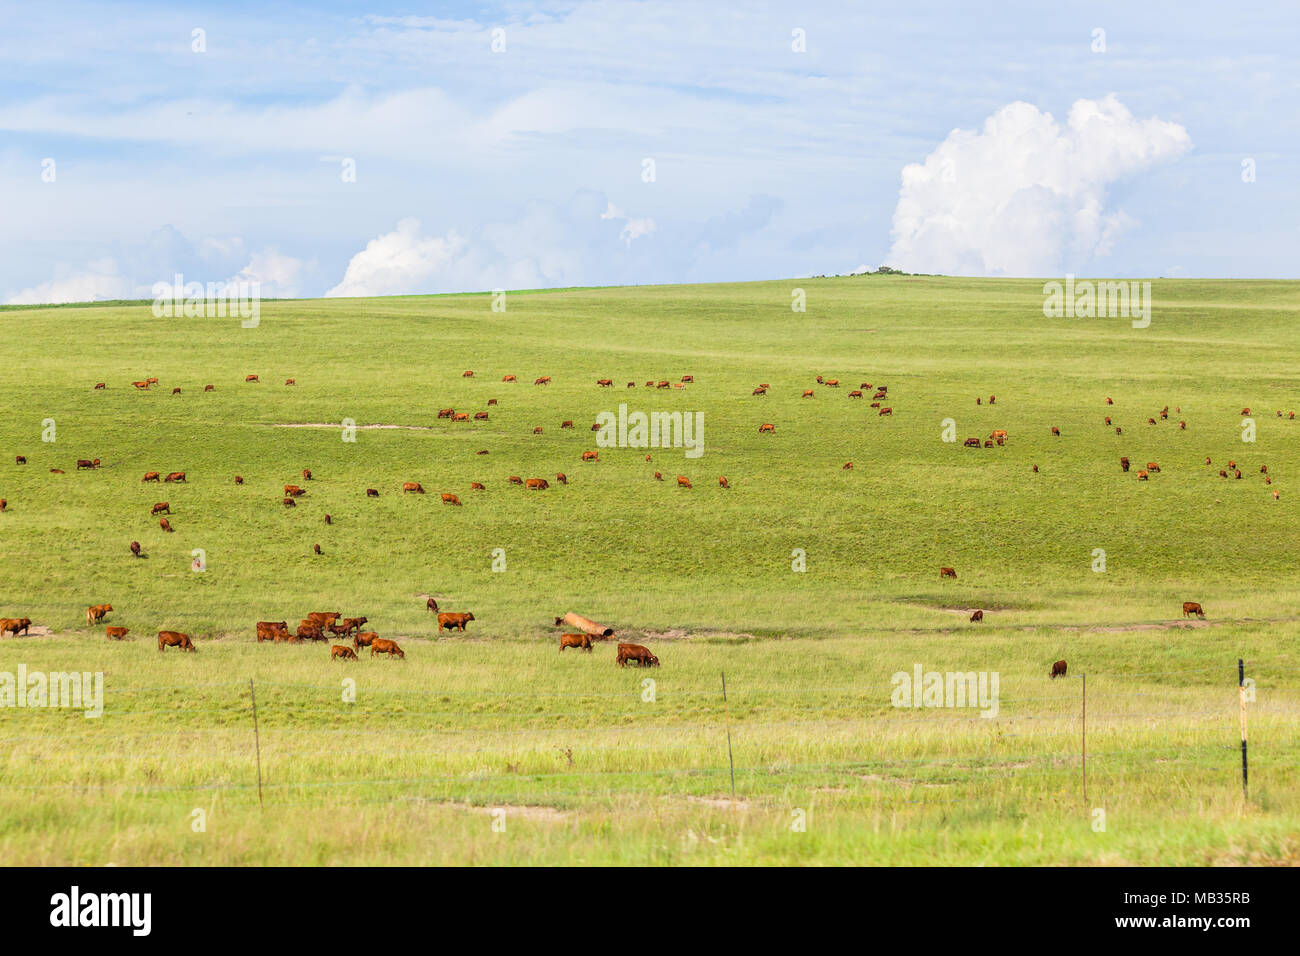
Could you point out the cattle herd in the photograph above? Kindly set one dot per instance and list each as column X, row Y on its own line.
column 322, row 626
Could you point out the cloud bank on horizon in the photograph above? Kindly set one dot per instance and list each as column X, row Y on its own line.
column 1025, row 196
column 505, row 145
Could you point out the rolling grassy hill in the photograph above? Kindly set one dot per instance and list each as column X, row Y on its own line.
column 590, row 772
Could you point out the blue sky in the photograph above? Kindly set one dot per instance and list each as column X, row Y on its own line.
column 1029, row 152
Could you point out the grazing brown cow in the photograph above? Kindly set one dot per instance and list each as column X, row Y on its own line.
column 561, row 477
column 310, row 632
column 364, row 639
column 87, row 463
column 342, row 652
column 971, row 443
column 1110, row 401
column 658, row 476
column 1119, row 430
column 165, row 525
column 683, row 482
column 977, row 616
column 372, row 493
column 635, row 652
column 250, row 378
column 446, row 412
column 509, row 378
column 383, row 646
column 1232, row 464
column 1153, row 467
column 294, row 491
column 582, row 641
column 176, row 390
column 3, row 504
column 722, row 482
column 604, row 382
column 1056, row 431
column 348, row 625
column 688, row 378
column 15, row 626
column 22, row 459
column 766, row 427
column 176, row 476
column 999, row 433
column 1263, row 469
column 316, row 549
column 808, row 393
column 271, row 630
column 631, row 384
column 431, row 605
column 135, row 549
column 160, row 507
column 97, row 613
column 1151, row 421
column 1143, row 476
column 537, row 484
column 947, row 573
column 568, row 423
column 467, row 374
column 480, row 416
column 847, row 466
column 988, row 443
column 174, row 639
column 515, row 480
column 544, row 380
column 306, row 474
column 993, row 399
column 759, row 391
column 476, row 486
column 591, row 456
column 878, row 396
column 832, row 383
column 57, row 471
column 239, row 479
column 764, row 386
column 1237, row 474
column 105, row 385
column 289, row 503
column 819, row 379
column 491, row 402
column 887, row 411
column 209, row 388
column 142, row 386
column 450, row 499
column 1245, row 411
column 979, row 401
column 1182, row 426
column 329, row 519
column 460, row 417
column 1222, row 473
column 1035, row 469
column 856, row 393
column 1123, row 463
column 1108, row 421
column 414, row 486
column 1058, row 670
column 1191, row 607
column 116, row 633
column 662, row 384
column 447, row 622
column 1000, row 441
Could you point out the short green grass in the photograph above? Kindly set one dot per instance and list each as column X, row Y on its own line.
column 581, row 767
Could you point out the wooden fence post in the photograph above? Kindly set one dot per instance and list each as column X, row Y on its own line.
column 257, row 741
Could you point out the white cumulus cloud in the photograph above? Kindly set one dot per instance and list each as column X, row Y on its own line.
column 1025, row 195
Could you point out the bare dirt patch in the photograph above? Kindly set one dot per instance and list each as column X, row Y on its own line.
column 521, row 812
column 722, row 803
column 339, row 425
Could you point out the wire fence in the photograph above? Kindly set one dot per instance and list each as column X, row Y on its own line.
column 272, row 744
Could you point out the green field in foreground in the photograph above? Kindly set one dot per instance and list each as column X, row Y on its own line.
column 580, row 766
